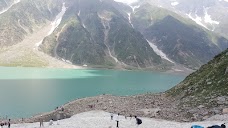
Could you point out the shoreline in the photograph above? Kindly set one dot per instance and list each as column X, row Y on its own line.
column 157, row 106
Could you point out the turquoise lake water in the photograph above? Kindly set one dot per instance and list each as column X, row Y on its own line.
column 28, row 91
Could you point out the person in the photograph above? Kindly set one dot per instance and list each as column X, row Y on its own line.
column 196, row 126
column 223, row 125
column 138, row 121
column 1, row 124
column 41, row 123
column 9, row 123
column 111, row 116
column 57, row 122
column 217, row 126
column 51, row 122
column 117, row 121
column 130, row 116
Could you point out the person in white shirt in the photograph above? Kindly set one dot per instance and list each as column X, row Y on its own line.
column 117, row 120
column 51, row 122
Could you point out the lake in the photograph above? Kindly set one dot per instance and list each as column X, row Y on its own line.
column 28, row 91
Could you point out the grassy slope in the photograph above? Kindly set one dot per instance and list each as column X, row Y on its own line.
column 204, row 86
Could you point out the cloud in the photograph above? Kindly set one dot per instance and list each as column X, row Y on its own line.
column 126, row 1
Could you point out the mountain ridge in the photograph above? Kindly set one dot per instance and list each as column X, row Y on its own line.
column 111, row 35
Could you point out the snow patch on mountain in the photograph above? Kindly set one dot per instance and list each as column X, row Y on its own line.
column 134, row 7
column 174, row 3
column 6, row 9
column 55, row 23
column 126, row 1
column 57, row 20
column 129, row 19
column 207, row 18
column 159, row 52
column 198, row 20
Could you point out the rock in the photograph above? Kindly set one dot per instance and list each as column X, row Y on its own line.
column 205, row 113
column 225, row 111
column 221, row 99
column 194, row 110
column 226, row 72
column 205, row 117
column 208, row 83
column 152, row 111
column 201, row 106
column 215, row 111
column 105, row 108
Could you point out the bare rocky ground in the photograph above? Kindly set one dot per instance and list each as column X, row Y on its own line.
column 157, row 106
column 27, row 54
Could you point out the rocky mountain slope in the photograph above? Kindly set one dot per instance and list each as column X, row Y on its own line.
column 210, row 14
column 134, row 27
column 204, row 92
column 107, row 34
column 4, row 5
column 96, row 33
column 24, row 18
column 23, row 30
column 179, row 38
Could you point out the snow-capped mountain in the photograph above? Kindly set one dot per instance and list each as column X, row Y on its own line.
column 210, row 14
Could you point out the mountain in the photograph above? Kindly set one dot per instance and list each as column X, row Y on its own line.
column 23, row 25
column 204, row 91
column 5, row 4
column 25, row 17
column 182, row 40
column 96, row 33
column 210, row 14
column 102, row 34
column 153, row 23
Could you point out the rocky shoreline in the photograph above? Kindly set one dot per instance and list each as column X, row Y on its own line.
column 158, row 106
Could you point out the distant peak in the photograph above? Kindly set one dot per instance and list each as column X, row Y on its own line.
column 129, row 2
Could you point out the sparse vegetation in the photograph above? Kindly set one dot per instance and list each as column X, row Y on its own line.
column 207, row 87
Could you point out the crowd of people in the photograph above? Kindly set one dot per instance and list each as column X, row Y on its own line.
column 5, row 123
column 138, row 120
column 213, row 126
column 114, row 117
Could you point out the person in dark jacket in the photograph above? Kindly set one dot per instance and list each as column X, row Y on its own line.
column 138, row 121
column 197, row 126
column 223, row 125
column 217, row 126
column 9, row 124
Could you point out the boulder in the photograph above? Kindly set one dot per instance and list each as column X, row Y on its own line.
column 226, row 72
column 225, row 111
column 201, row 106
column 152, row 111
column 221, row 100
column 208, row 83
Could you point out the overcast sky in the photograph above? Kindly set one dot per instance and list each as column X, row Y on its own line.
column 126, row 1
